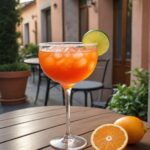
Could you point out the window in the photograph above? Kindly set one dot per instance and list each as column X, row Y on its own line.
column 26, row 37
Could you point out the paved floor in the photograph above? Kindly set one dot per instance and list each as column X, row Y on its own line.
column 55, row 97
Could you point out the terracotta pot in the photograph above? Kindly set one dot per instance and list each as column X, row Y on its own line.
column 12, row 87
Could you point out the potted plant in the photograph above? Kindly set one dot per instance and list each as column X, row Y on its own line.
column 30, row 51
column 13, row 73
column 132, row 100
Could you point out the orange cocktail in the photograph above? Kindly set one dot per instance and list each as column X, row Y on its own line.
column 68, row 65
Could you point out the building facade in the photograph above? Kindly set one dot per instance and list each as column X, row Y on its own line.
column 124, row 21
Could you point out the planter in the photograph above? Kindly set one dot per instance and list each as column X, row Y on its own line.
column 12, row 87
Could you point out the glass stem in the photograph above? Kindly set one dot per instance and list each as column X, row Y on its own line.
column 67, row 103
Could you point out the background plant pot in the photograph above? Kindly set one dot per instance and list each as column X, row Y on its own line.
column 12, row 87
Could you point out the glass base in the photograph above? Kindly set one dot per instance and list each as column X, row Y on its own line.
column 70, row 143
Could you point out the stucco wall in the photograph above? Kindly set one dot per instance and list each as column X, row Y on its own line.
column 101, row 17
column 35, row 10
column 57, row 20
column 71, row 20
column 27, row 16
column 94, row 16
column 41, row 5
column 140, row 34
column 141, row 38
column 106, row 25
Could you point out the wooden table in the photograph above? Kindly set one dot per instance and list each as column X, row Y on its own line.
column 32, row 128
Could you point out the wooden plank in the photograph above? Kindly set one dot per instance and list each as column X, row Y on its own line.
column 14, row 121
column 47, row 148
column 28, row 111
column 41, row 139
column 89, row 148
column 43, row 124
column 82, row 123
column 34, row 117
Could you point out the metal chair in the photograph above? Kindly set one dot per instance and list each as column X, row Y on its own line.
column 49, row 84
column 101, row 103
column 88, row 86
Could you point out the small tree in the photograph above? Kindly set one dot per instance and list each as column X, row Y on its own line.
column 9, row 17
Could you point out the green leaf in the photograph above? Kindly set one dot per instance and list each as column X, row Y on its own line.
column 132, row 100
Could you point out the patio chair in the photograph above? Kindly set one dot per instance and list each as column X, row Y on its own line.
column 49, row 85
column 88, row 86
column 33, row 70
column 101, row 103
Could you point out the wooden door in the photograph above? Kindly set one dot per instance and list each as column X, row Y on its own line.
column 122, row 41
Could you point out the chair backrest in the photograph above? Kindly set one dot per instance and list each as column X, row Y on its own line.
column 105, row 64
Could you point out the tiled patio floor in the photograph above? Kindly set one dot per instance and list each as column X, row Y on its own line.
column 55, row 97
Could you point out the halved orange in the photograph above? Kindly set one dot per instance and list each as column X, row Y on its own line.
column 109, row 137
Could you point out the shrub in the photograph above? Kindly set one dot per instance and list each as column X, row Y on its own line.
column 30, row 51
column 8, row 43
column 132, row 100
column 9, row 18
column 14, row 67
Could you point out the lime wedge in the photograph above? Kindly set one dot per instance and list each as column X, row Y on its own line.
column 99, row 37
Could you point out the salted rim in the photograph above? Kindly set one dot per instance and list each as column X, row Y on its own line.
column 66, row 44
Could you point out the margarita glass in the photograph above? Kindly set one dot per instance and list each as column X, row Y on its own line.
column 67, row 64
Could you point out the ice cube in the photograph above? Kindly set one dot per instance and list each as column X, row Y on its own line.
column 50, row 61
column 81, row 63
column 58, row 55
column 78, row 55
column 70, row 49
column 67, row 54
column 57, row 49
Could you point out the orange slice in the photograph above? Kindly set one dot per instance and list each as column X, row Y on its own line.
column 109, row 137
